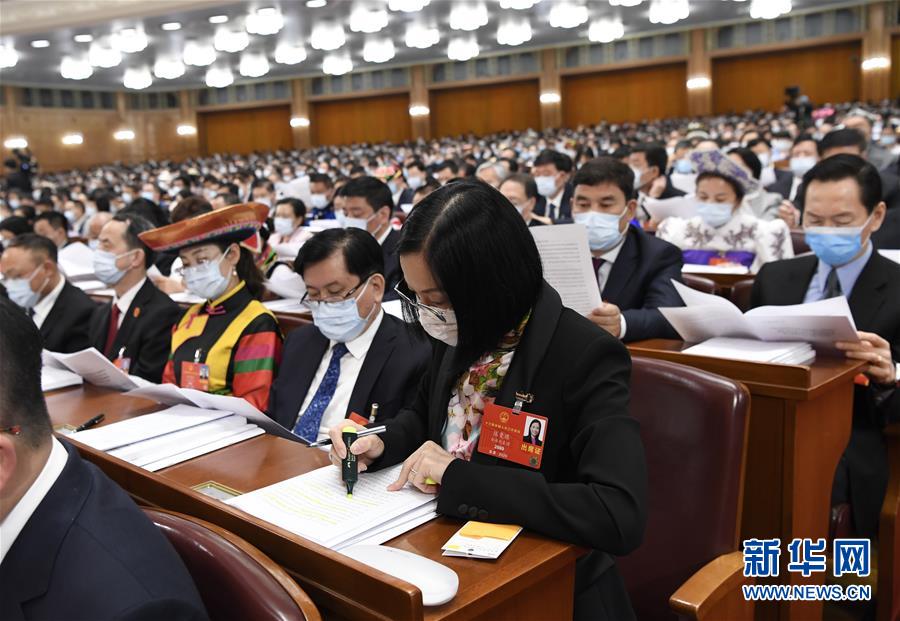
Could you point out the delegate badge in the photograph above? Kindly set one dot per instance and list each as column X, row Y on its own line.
column 195, row 375
column 518, row 438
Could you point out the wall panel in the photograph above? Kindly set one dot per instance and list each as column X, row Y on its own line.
column 485, row 109
column 361, row 119
column 749, row 81
column 625, row 95
column 244, row 130
column 895, row 67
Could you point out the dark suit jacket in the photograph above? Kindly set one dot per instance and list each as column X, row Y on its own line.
column 392, row 272
column 406, row 196
column 65, row 329
column 88, row 552
column 591, row 487
column 564, row 213
column 145, row 332
column 389, row 374
column 640, row 282
column 888, row 236
column 875, row 304
column 784, row 181
column 671, row 191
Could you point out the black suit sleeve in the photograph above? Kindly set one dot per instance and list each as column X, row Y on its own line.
column 154, row 351
column 78, row 308
column 169, row 609
column 648, row 322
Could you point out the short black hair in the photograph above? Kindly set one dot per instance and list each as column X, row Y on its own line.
column 605, row 169
column 711, row 174
column 526, row 181
column 491, row 286
column 362, row 252
column 229, row 198
column 321, row 178
column 267, row 185
column 843, row 138
column 296, row 204
column 21, row 398
column 135, row 225
column 450, row 165
column 431, row 184
column 807, row 138
column 654, row 153
column 417, row 164
column 846, row 166
column 148, row 210
column 55, row 219
column 376, row 192
column 37, row 244
column 758, row 141
column 560, row 161
column 750, row 159
column 190, row 207
column 513, row 164
column 17, row 225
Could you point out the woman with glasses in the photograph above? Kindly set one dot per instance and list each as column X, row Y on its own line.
column 505, row 351
column 230, row 344
column 355, row 360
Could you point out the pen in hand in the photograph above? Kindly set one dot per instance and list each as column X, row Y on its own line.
column 369, row 431
column 91, row 423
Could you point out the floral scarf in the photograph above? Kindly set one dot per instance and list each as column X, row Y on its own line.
column 476, row 388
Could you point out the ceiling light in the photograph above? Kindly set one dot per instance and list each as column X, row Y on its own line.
column 550, row 98
column 104, row 57
column 40, row 43
column 130, row 41
column 606, row 30
column 218, row 19
column 367, row 20
column 290, row 54
column 378, row 50
column 124, row 134
column 72, row 139
column 315, row 4
column 266, row 21
column 697, row 83
column 253, row 65
column 462, row 48
column 518, row 5
column 299, row 121
column 73, row 69
column 138, row 78
column 83, row 38
column 8, row 56
column 15, row 142
column 419, row 111
column 327, row 36
column 421, row 37
column 514, row 32
column 199, row 54
column 408, row 6
column 671, row 11
column 876, row 62
column 568, row 15
column 219, row 77
column 337, row 65
column 769, row 9
column 625, row 2
column 185, row 130
column 168, row 69
column 468, row 17
column 230, row 41
column 170, row 26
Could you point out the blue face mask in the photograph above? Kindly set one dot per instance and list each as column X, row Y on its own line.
column 602, row 228
column 20, row 292
column 683, row 167
column 105, row 267
column 206, row 280
column 340, row 321
column 835, row 245
column 715, row 214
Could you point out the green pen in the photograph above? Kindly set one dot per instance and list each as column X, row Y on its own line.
column 349, row 465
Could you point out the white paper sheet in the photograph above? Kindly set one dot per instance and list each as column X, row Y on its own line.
column 186, row 297
column 251, row 432
column 285, row 306
column 694, row 268
column 148, row 426
column 90, row 285
column 893, row 255
column 96, row 369
column 676, row 207
column 54, row 379
column 751, row 350
column 566, row 258
column 321, row 225
column 286, row 284
column 315, row 505
column 76, row 261
column 394, row 308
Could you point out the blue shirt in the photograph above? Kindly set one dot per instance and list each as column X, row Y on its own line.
column 847, row 276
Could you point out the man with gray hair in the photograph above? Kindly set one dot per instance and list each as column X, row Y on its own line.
column 491, row 173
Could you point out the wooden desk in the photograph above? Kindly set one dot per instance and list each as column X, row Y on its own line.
column 534, row 579
column 799, row 426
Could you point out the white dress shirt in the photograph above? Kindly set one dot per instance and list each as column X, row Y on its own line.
column 17, row 518
column 124, row 302
column 384, row 235
column 609, row 258
column 552, row 210
column 43, row 308
column 351, row 364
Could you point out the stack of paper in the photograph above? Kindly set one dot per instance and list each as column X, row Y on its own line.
column 93, row 367
column 751, row 350
column 54, row 379
column 707, row 316
column 315, row 506
column 162, row 439
column 76, row 261
column 481, row 540
column 566, row 258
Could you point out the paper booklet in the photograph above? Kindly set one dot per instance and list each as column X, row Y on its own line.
column 54, row 379
column 707, row 316
column 566, row 258
column 481, row 540
column 675, row 207
column 316, row 506
column 76, row 260
column 94, row 367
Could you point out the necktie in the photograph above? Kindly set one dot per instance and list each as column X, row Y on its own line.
column 551, row 210
column 113, row 329
column 598, row 263
column 308, row 425
column 832, row 284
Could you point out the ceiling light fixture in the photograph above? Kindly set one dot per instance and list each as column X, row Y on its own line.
column 290, row 54
column 327, row 36
column 420, row 37
column 103, row 57
column 218, row 19
column 518, row 5
column 74, row 69
column 876, row 62
column 419, row 111
column 9, row 57
column 124, row 134
column 38, row 43
column 15, row 142
column 266, row 21
column 253, row 65
column 769, row 9
column 468, row 17
column 378, row 50
column 671, row 11
column 199, row 54
column 550, row 98
column 606, row 30
column 72, row 139
column 219, row 77
column 171, row 26
column 625, row 2
column 334, row 64
column 230, row 41
column 408, row 6
column 185, row 130
column 698, row 83
column 568, row 15
column 168, row 69
column 299, row 121
column 130, row 41
column 368, row 20
column 137, row 79
column 514, row 32
column 462, row 48
column 83, row 38
column 315, row 4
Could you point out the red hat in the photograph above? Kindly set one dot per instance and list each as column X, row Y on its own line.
column 231, row 225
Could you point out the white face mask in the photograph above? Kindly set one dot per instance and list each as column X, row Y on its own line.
column 318, row 201
column 206, row 280
column 546, row 185
column 445, row 331
column 284, row 226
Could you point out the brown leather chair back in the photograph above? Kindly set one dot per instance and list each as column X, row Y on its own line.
column 235, row 579
column 740, row 294
column 291, row 321
column 699, row 283
column 798, row 239
column 694, row 427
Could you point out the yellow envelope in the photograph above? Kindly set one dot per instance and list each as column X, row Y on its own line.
column 505, row 532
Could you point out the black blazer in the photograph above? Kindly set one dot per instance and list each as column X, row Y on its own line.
column 88, row 552
column 392, row 271
column 406, row 197
column 784, row 181
column 145, row 332
column 671, row 191
column 875, row 304
column 640, row 282
column 389, row 374
column 888, row 236
column 591, row 488
column 65, row 328
column 564, row 213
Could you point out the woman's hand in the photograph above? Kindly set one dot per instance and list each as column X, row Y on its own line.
column 430, row 461
column 366, row 449
column 876, row 352
column 789, row 213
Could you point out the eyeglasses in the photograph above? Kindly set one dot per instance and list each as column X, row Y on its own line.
column 13, row 430
column 437, row 312
column 179, row 271
column 334, row 299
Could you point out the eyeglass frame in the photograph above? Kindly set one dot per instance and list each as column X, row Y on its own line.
column 437, row 312
column 305, row 301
